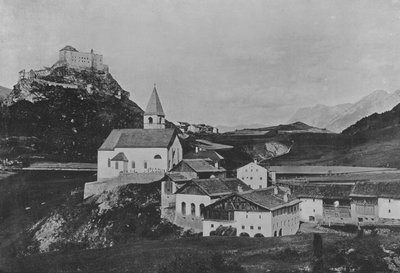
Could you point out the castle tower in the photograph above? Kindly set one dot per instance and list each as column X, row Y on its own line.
column 154, row 117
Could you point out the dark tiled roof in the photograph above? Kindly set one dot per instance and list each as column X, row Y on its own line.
column 119, row 157
column 217, row 186
column 212, row 155
column 322, row 191
column 139, row 138
column 196, row 165
column 69, row 48
column 267, row 199
column 384, row 189
column 154, row 106
column 180, row 176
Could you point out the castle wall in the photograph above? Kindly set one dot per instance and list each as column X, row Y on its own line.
column 83, row 60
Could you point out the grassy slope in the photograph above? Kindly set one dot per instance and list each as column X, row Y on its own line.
column 254, row 254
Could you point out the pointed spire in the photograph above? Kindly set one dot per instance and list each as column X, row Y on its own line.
column 154, row 106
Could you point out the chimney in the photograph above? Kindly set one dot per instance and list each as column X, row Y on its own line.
column 255, row 161
column 285, row 197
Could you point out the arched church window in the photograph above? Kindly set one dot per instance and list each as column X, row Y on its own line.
column 157, row 157
column 116, row 165
column 109, row 163
column 150, row 120
column 145, row 164
column 133, row 164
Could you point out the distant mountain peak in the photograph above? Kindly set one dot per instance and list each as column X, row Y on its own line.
column 338, row 117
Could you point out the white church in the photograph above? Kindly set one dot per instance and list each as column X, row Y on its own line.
column 153, row 149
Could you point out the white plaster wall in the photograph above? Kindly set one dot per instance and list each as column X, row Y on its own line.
column 210, row 225
column 386, row 204
column 253, row 175
column 139, row 155
column 287, row 221
column 156, row 122
column 189, row 199
column 260, row 221
column 311, row 207
column 177, row 147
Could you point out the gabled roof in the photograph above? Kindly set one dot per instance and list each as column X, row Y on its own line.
column 215, row 186
column 212, row 155
column 335, row 191
column 154, row 106
column 264, row 198
column 69, row 48
column 196, row 165
column 383, row 189
column 139, row 138
column 120, row 157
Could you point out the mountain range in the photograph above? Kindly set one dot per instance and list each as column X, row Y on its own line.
column 338, row 117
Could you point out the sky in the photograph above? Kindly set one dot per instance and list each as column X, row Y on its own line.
column 220, row 62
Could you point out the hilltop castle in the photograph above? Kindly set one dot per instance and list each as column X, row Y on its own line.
column 73, row 58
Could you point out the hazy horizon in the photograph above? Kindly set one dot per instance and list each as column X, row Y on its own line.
column 217, row 62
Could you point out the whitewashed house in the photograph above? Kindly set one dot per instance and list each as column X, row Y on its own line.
column 257, row 213
column 153, row 149
column 254, row 175
column 198, row 193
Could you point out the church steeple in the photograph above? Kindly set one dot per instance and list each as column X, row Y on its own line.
column 154, row 116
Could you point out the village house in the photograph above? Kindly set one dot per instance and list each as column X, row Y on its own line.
column 198, row 193
column 376, row 202
column 202, row 168
column 328, row 204
column 153, row 149
column 182, row 173
column 257, row 213
column 254, row 175
column 211, row 156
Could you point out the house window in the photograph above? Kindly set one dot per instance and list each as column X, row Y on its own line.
column 390, row 211
column 259, row 216
column 260, row 187
column 243, row 227
column 150, row 120
column 157, row 157
column 192, row 209
column 116, row 165
column 183, row 208
column 109, row 163
column 202, row 210
column 251, row 178
column 212, row 225
column 260, row 178
column 390, row 200
column 259, row 228
column 145, row 164
column 133, row 164
column 251, row 227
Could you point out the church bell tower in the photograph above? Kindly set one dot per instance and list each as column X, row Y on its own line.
column 154, row 117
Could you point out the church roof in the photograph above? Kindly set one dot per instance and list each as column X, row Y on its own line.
column 139, row 138
column 69, row 48
column 154, row 106
column 120, row 157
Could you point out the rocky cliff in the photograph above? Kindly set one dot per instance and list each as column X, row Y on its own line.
column 70, row 111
